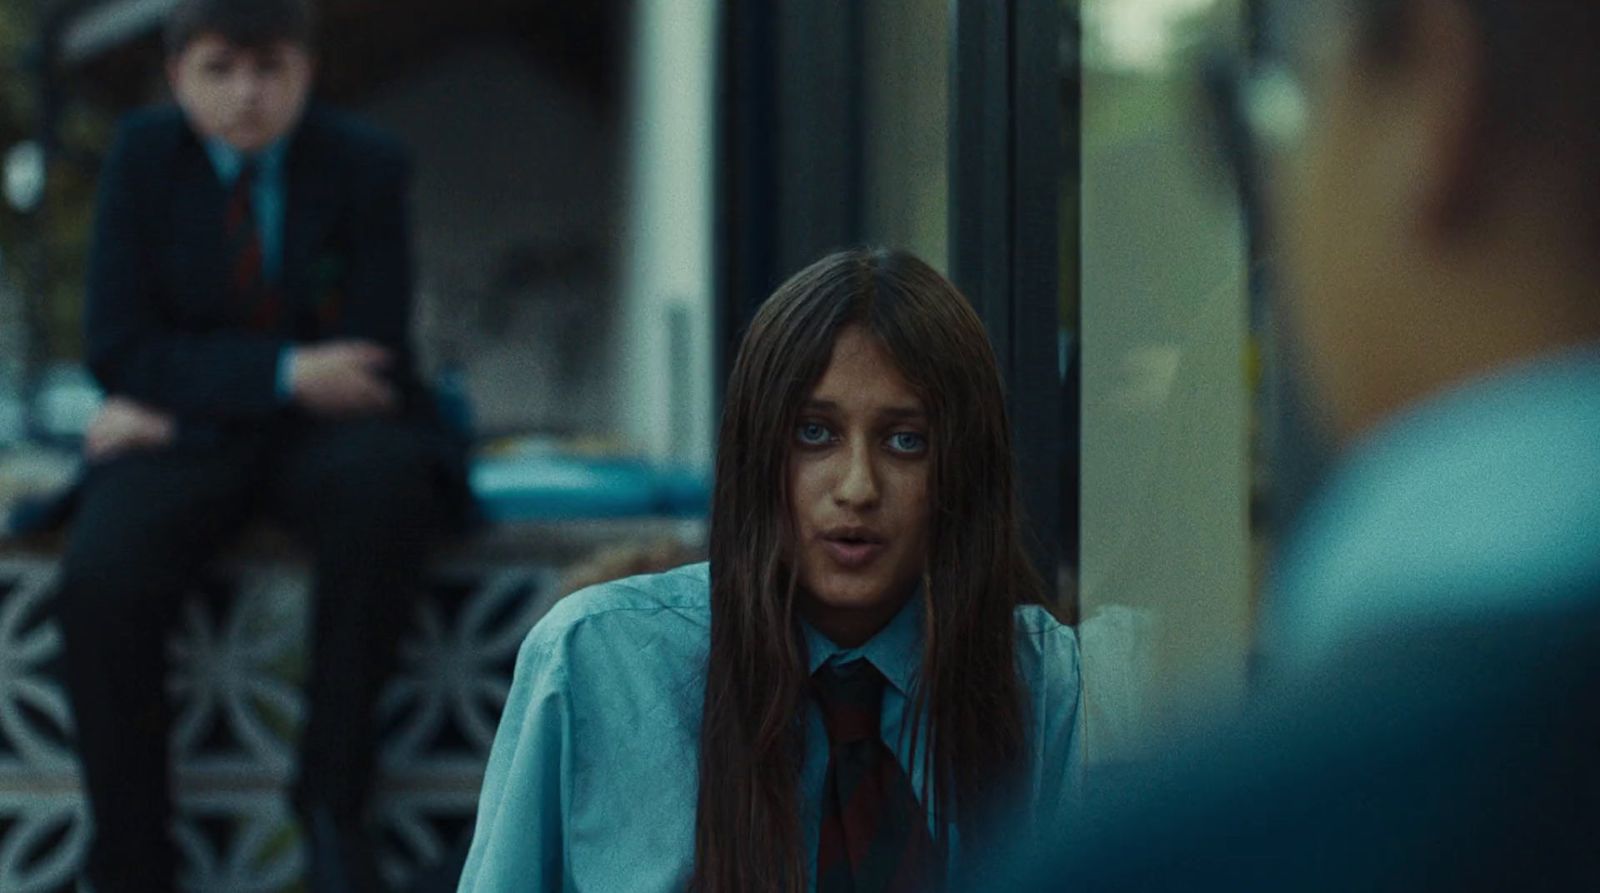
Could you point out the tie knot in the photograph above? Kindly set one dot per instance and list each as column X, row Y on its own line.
column 239, row 209
column 851, row 699
column 245, row 181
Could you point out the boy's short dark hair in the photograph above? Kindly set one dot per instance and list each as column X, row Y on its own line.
column 247, row 23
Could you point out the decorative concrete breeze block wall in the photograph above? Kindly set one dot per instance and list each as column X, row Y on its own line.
column 239, row 656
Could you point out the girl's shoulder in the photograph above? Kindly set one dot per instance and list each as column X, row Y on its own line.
column 1038, row 620
column 685, row 588
column 1044, row 643
column 668, row 611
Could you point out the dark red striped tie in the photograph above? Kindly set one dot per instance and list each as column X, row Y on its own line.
column 256, row 298
column 874, row 834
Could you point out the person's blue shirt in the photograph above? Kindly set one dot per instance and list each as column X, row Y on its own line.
column 593, row 778
column 268, row 201
column 1422, row 712
column 1457, row 508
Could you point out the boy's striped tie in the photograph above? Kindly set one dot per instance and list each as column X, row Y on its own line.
column 258, row 301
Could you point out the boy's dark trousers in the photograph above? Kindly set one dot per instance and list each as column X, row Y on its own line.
column 361, row 496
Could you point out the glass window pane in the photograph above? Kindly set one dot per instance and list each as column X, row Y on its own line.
column 906, row 109
column 1166, row 396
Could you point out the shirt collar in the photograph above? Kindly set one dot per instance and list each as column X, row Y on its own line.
column 896, row 650
column 228, row 161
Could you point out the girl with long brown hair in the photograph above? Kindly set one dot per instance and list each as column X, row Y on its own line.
column 860, row 690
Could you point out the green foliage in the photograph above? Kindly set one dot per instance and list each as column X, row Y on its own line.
column 57, row 235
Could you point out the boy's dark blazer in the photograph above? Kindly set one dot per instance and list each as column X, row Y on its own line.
column 163, row 327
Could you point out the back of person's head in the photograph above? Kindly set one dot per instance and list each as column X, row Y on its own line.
column 249, row 24
column 1534, row 65
column 747, row 833
column 1438, row 212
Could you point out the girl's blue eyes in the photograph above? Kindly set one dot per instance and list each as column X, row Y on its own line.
column 908, row 442
column 814, row 434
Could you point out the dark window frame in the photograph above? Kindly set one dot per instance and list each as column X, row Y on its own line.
column 1006, row 159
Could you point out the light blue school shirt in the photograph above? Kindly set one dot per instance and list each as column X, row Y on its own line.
column 269, row 202
column 592, row 781
column 1481, row 501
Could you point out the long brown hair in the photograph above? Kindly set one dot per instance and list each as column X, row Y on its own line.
column 967, row 694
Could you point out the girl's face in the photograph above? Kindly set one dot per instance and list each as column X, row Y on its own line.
column 859, row 466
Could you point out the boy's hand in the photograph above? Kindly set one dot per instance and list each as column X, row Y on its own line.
column 122, row 425
column 342, row 378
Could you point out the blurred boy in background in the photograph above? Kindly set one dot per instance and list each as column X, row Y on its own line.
column 248, row 315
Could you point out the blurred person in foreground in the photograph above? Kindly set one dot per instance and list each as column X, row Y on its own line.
column 1429, row 718
column 248, row 306
column 860, row 688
